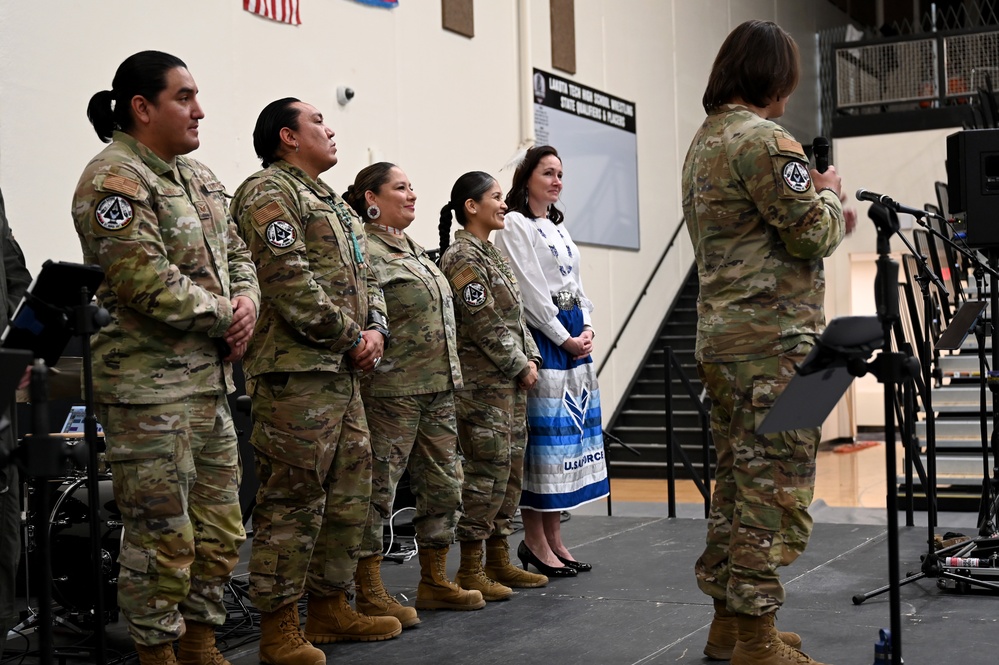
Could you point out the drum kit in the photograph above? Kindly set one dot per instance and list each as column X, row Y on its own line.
column 68, row 525
column 69, row 533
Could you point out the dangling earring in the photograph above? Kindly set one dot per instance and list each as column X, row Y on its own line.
column 296, row 147
column 373, row 211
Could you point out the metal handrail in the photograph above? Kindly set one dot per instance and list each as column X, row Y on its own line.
column 671, row 444
column 638, row 301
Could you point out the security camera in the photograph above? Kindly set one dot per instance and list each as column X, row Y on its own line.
column 344, row 95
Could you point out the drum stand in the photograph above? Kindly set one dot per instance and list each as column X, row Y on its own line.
column 45, row 458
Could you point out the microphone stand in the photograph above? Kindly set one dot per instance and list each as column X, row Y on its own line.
column 88, row 319
column 890, row 369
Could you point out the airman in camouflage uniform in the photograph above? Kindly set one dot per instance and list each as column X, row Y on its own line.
column 14, row 281
column 409, row 399
column 310, row 434
column 760, row 230
column 177, row 277
column 497, row 351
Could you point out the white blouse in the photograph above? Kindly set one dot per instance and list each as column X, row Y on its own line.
column 545, row 261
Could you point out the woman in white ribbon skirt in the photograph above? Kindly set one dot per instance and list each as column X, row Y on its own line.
column 565, row 465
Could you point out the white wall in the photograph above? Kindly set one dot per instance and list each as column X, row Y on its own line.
column 436, row 103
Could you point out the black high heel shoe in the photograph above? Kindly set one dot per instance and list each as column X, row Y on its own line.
column 577, row 565
column 526, row 556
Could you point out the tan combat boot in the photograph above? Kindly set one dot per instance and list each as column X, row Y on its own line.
column 332, row 619
column 161, row 654
column 499, row 568
column 372, row 598
column 197, row 646
column 282, row 642
column 470, row 575
column 724, row 632
column 759, row 644
column 436, row 591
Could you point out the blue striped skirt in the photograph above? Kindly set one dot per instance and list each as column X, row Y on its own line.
column 564, row 466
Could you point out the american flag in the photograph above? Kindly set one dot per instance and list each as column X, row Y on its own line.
column 285, row 11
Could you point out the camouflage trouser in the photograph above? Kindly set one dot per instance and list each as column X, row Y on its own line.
column 417, row 431
column 313, row 460
column 759, row 517
column 10, row 547
column 492, row 434
column 175, row 471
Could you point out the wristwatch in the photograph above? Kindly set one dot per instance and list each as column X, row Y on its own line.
column 378, row 322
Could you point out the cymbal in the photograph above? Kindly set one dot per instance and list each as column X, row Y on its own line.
column 65, row 381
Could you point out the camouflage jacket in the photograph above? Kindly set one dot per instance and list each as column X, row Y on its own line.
column 316, row 288
column 14, row 281
column 423, row 354
column 760, row 232
column 493, row 339
column 14, row 275
column 173, row 262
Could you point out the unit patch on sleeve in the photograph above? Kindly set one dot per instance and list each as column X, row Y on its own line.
column 796, row 176
column 114, row 213
column 281, row 234
column 474, row 294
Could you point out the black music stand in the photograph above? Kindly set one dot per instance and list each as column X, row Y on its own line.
column 961, row 325
column 58, row 305
column 825, row 374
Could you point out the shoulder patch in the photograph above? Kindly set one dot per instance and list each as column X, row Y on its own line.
column 474, row 294
column 270, row 211
column 114, row 213
column 796, row 176
column 789, row 145
column 466, row 276
column 115, row 182
column 281, row 234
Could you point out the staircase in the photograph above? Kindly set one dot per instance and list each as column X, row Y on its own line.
column 957, row 405
column 640, row 421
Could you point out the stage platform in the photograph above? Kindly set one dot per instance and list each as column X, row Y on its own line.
column 640, row 604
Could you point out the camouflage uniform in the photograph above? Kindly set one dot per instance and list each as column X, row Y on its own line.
column 409, row 398
column 310, row 434
column 495, row 347
column 14, row 281
column 173, row 263
column 759, row 231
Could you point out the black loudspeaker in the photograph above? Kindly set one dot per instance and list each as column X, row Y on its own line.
column 973, row 183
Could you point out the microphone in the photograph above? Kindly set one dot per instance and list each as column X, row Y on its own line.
column 888, row 202
column 820, row 149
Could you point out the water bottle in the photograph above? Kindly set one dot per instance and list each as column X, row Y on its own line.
column 882, row 648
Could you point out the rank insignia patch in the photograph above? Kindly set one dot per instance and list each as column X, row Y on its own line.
column 203, row 210
column 114, row 213
column 281, row 234
column 474, row 294
column 796, row 176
